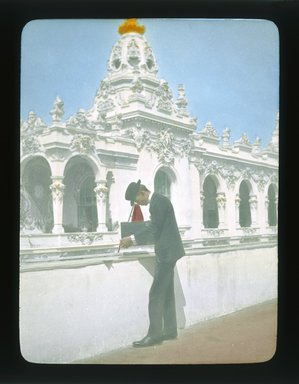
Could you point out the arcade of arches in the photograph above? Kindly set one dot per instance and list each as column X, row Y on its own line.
column 83, row 202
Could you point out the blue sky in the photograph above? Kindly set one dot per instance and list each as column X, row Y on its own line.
column 230, row 68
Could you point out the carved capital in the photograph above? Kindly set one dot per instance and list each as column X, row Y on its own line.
column 237, row 200
column 221, row 200
column 253, row 201
column 101, row 191
column 57, row 188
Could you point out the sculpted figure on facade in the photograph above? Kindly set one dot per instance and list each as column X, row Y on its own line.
column 32, row 124
column 209, row 130
column 182, row 101
column 164, row 97
column 58, row 110
column 226, row 137
column 80, row 121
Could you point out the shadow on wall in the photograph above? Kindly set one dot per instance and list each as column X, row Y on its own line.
column 149, row 265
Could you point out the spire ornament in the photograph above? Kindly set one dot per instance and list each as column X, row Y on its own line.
column 131, row 25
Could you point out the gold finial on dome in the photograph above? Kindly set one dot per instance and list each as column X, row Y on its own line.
column 130, row 25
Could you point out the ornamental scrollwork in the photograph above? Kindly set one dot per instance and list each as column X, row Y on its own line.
column 133, row 54
column 80, row 120
column 163, row 146
column 85, row 238
column 137, row 86
column 164, row 94
column 209, row 130
column 82, row 143
column 140, row 136
column 30, row 145
column 221, row 200
column 33, row 123
column 253, row 202
column 101, row 192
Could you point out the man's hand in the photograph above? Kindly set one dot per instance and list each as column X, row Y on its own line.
column 126, row 242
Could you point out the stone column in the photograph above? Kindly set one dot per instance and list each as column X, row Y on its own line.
column 57, row 188
column 101, row 192
column 237, row 210
column 253, row 210
column 266, row 211
column 221, row 203
column 202, row 199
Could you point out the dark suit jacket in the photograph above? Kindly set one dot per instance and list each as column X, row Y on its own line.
column 164, row 229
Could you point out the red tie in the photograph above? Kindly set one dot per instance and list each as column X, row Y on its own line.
column 137, row 213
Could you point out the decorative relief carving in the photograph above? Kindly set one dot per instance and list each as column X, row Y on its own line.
column 202, row 198
column 30, row 145
column 253, row 202
column 150, row 59
column 32, row 124
column 237, row 200
column 101, row 192
column 164, row 95
column 57, row 188
column 248, row 230
column 215, row 232
column 221, row 200
column 209, row 130
column 104, row 99
column 115, row 60
column 182, row 101
column 231, row 173
column 137, row 86
column 82, row 143
column 85, row 238
column 80, row 120
column 226, row 137
column 140, row 136
column 133, row 53
column 243, row 140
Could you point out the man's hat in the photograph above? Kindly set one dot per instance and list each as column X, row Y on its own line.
column 132, row 191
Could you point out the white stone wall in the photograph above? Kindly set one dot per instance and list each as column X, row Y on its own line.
column 70, row 314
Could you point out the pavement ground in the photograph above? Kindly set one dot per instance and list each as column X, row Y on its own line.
column 245, row 336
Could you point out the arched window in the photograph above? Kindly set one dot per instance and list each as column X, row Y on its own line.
column 272, row 217
column 36, row 211
column 210, row 209
column 244, row 208
column 162, row 183
column 87, row 207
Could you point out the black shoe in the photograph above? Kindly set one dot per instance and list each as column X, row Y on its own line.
column 147, row 341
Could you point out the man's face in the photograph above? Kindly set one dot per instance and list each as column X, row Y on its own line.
column 142, row 198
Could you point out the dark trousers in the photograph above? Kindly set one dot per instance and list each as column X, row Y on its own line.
column 161, row 307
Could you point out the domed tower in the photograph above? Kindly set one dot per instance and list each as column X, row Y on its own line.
column 132, row 86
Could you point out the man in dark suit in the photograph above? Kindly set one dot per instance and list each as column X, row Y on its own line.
column 168, row 248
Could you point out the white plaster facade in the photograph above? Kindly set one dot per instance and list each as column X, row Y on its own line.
column 74, row 174
column 135, row 128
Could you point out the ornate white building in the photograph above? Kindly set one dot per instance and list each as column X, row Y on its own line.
column 74, row 174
